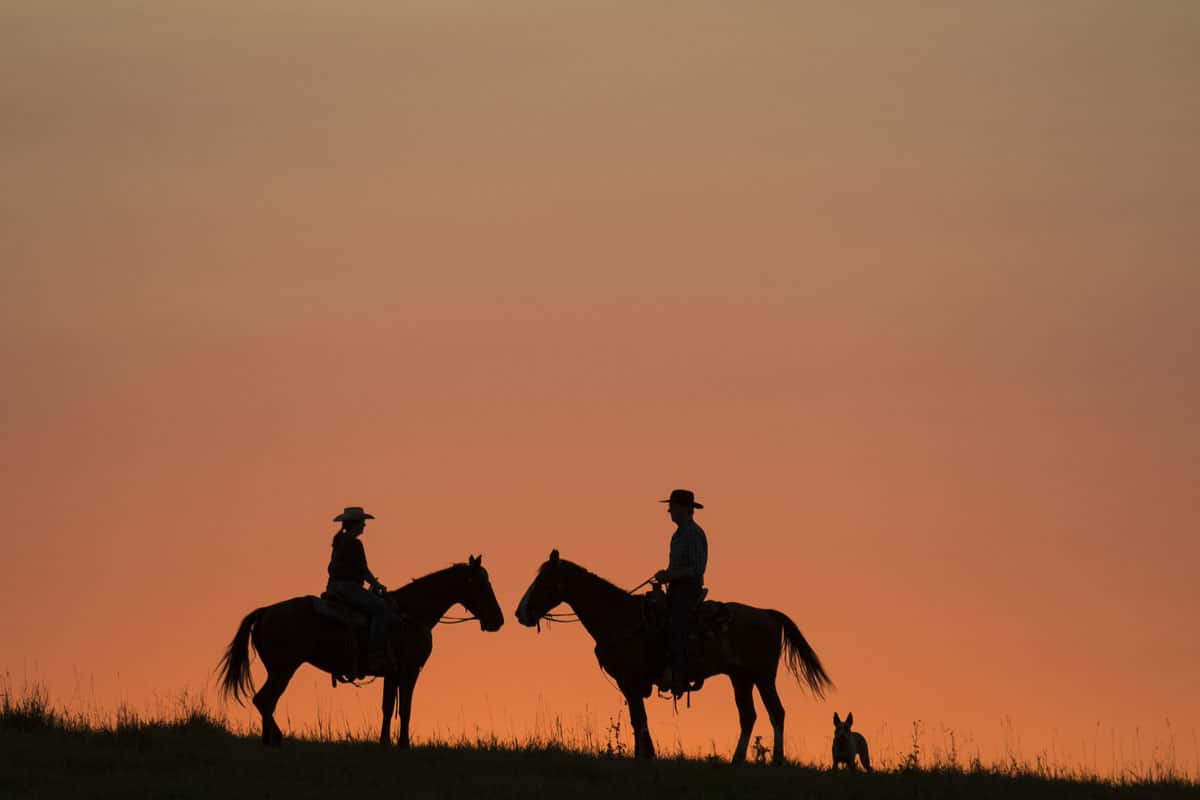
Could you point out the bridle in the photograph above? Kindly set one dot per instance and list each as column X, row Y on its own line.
column 446, row 619
column 568, row 616
column 572, row 616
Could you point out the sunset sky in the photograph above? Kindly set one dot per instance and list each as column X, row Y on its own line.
column 906, row 292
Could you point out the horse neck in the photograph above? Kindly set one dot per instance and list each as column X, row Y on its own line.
column 598, row 603
column 428, row 598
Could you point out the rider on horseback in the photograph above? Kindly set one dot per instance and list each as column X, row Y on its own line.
column 684, row 577
column 347, row 572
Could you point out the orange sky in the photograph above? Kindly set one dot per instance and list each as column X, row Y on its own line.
column 908, row 296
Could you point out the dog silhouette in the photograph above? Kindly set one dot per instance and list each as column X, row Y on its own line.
column 847, row 744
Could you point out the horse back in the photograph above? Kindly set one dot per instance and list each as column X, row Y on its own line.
column 745, row 634
column 341, row 613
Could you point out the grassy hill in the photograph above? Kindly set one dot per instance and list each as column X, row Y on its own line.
column 46, row 755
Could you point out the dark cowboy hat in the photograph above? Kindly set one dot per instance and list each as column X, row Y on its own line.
column 352, row 514
column 682, row 497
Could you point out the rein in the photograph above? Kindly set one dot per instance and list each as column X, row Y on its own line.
column 358, row 684
column 573, row 617
column 445, row 620
column 643, row 583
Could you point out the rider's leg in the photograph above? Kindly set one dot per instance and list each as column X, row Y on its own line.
column 378, row 653
column 379, row 611
column 682, row 598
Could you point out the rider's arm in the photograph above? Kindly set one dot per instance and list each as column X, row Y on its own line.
column 369, row 576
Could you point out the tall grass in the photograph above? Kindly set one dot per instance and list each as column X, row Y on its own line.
column 29, row 710
column 948, row 750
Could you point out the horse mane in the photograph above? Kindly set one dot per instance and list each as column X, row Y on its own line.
column 416, row 583
column 602, row 582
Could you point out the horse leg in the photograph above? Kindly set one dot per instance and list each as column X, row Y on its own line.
column 770, row 698
column 643, row 745
column 743, row 695
column 389, row 707
column 407, row 684
column 266, row 698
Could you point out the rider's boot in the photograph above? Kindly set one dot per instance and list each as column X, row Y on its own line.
column 665, row 680
column 380, row 660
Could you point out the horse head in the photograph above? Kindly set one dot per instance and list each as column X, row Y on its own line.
column 546, row 591
column 479, row 598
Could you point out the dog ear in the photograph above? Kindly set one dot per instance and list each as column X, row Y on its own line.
column 836, row 719
column 849, row 719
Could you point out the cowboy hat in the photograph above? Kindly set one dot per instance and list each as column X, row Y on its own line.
column 682, row 497
column 352, row 514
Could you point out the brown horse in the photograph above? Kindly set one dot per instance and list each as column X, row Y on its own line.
column 748, row 650
column 292, row 632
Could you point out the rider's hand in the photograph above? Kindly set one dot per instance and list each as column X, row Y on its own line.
column 661, row 576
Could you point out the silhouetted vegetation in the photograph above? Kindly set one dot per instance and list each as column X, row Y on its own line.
column 193, row 752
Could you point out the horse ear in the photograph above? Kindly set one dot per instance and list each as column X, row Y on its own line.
column 849, row 719
column 554, row 556
column 479, row 560
column 836, row 719
column 472, row 561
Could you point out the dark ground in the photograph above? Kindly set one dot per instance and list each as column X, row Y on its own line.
column 199, row 759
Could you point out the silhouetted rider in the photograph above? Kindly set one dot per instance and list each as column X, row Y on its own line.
column 348, row 572
column 684, row 577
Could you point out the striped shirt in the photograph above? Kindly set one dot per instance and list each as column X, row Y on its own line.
column 689, row 554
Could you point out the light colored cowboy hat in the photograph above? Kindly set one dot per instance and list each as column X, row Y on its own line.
column 353, row 514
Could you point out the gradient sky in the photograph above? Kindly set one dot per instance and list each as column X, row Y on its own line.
column 905, row 291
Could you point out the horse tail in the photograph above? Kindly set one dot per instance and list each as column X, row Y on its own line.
column 233, row 672
column 802, row 660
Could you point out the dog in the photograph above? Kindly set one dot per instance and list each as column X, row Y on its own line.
column 847, row 744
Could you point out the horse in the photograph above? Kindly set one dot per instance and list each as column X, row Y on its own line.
column 748, row 650
column 292, row 632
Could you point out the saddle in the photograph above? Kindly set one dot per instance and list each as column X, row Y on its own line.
column 355, row 623
column 710, row 620
column 330, row 606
